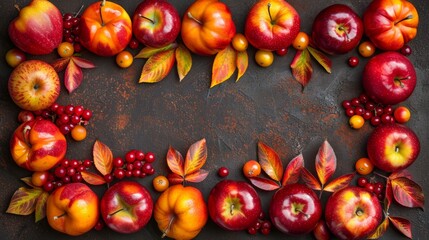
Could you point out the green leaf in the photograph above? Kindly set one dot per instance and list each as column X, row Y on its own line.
column 148, row 52
column 41, row 206
column 23, row 201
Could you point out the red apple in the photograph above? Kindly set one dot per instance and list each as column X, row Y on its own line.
column 389, row 78
column 126, row 207
column 353, row 213
column 272, row 25
column 38, row 29
column 393, row 147
column 34, row 85
column 337, row 29
column 295, row 209
column 156, row 23
column 234, row 205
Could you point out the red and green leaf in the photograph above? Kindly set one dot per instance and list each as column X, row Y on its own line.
column 310, row 180
column 175, row 161
column 326, row 162
column 82, row 63
column 264, row 183
column 242, row 63
column 292, row 172
column 40, row 208
column 157, row 67
column 60, row 64
column 184, row 61
column 381, row 229
column 339, row 183
column 408, row 193
column 23, row 201
column 72, row 77
column 148, row 52
column 197, row 176
column 92, row 178
column 103, row 157
column 403, row 225
column 301, row 67
column 321, row 58
column 195, row 157
column 224, row 65
column 270, row 162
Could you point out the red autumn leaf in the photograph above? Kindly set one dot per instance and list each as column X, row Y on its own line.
column 40, row 208
column 73, row 76
column 339, row 183
column 310, row 180
column 103, row 158
column 403, row 225
column 270, row 162
column 92, row 178
column 60, row 64
column 242, row 63
column 82, row 63
column 292, row 172
column 184, row 61
column 175, row 161
column 224, row 65
column 197, row 176
column 157, row 67
column 381, row 229
column 321, row 58
column 264, row 183
column 195, row 157
column 148, row 52
column 301, row 67
column 326, row 162
column 388, row 195
column 174, row 178
column 23, row 201
column 401, row 173
column 408, row 193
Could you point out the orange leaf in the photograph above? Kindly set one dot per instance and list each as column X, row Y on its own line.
column 175, row 161
column 174, row 178
column 264, row 183
column 408, row 193
column 184, row 61
column 92, row 178
column 339, row 183
column 157, row 67
column 224, row 65
column 23, row 201
column 60, row 64
column 321, row 58
column 326, row 162
column 73, row 76
column 82, row 63
column 195, row 157
column 197, row 176
column 293, row 170
column 301, row 67
column 310, row 180
column 270, row 162
column 381, row 229
column 148, row 52
column 242, row 63
column 40, row 208
column 403, row 225
column 103, row 158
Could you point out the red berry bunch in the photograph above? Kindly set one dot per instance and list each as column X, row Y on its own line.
column 263, row 225
column 135, row 163
column 71, row 30
column 372, row 186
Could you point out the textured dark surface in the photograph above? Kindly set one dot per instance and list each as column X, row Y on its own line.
column 266, row 104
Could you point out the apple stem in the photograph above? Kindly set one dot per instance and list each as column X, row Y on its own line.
column 115, row 212
column 399, row 80
column 17, row 7
column 231, row 209
column 269, row 12
column 103, row 2
column 359, row 212
column 25, row 132
column 342, row 28
column 60, row 216
column 305, row 214
column 193, row 18
column 152, row 21
column 80, row 10
column 165, row 232
column 406, row 18
column 381, row 175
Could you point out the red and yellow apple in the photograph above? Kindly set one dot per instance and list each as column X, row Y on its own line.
column 72, row 209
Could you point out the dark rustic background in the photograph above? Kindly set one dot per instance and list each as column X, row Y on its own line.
column 266, row 105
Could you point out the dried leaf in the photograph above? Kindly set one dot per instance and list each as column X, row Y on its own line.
column 321, row 58
column 103, row 158
column 195, row 157
column 381, row 229
column 408, row 193
column 82, row 63
column 403, row 225
column 388, row 195
column 92, row 178
column 23, row 201
column 224, row 65
column 293, row 170
column 175, row 162
column 174, row 178
column 401, row 173
column 326, row 162
column 60, row 64
column 73, row 77
column 41, row 206
column 157, row 67
column 242, row 63
column 148, row 52
column 264, row 183
column 301, row 67
column 184, row 61
column 310, row 180
column 339, row 183
column 27, row 180
column 270, row 162
column 197, row 176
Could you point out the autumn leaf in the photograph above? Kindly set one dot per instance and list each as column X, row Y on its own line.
column 224, row 65
column 82, row 63
column 23, row 201
column 264, row 183
column 92, row 178
column 293, row 170
column 184, row 61
column 60, row 64
column 388, row 195
column 380, row 230
column 270, row 162
column 301, row 67
column 175, row 162
column 321, row 58
column 195, row 157
column 103, row 158
column 174, row 178
column 242, row 63
column 72, row 77
column 148, row 52
column 310, row 180
column 157, row 67
column 403, row 225
column 401, row 173
column 197, row 176
column 40, row 208
column 407, row 193
column 27, row 180
column 326, row 162
column 339, row 183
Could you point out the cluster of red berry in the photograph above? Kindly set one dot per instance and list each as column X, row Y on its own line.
column 134, row 164
column 71, row 30
column 372, row 186
column 262, row 225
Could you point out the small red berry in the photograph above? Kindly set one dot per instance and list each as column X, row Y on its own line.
column 223, row 172
column 353, row 61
